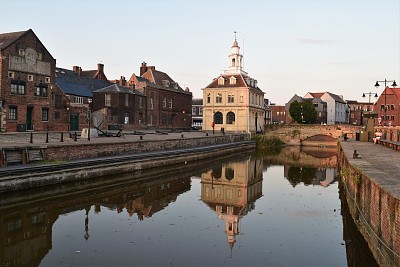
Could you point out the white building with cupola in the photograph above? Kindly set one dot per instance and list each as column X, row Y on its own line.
column 233, row 101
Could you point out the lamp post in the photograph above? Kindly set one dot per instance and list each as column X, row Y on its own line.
column 89, row 117
column 369, row 98
column 377, row 85
column 302, row 116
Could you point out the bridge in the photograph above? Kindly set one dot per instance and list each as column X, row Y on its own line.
column 310, row 134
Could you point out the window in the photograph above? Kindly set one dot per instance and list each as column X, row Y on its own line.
column 382, row 107
column 217, row 172
column 229, row 173
column 193, row 110
column 41, row 90
column 391, row 107
column 11, row 74
column 47, row 80
column 316, row 105
column 231, row 98
column 164, row 102
column 170, row 103
column 233, row 62
column 230, row 118
column 241, row 98
column 151, row 103
column 107, row 98
column 200, row 111
column 13, row 113
column 208, row 98
column 17, row 87
column 126, row 100
column 21, row 52
column 78, row 99
column 232, row 80
column 392, row 117
column 218, row 118
column 30, row 78
column 39, row 56
column 45, row 114
column 221, row 81
column 218, row 99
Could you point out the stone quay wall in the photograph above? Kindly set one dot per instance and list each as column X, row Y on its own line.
column 73, row 151
column 375, row 211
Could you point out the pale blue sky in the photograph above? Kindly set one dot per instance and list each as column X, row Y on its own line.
column 291, row 47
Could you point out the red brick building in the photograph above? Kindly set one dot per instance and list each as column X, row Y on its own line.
column 357, row 111
column 119, row 107
column 168, row 105
column 388, row 108
column 27, row 83
column 278, row 114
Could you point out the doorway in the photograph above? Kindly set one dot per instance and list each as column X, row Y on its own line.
column 74, row 122
column 29, row 124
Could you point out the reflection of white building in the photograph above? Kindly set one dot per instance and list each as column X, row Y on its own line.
column 323, row 176
column 231, row 190
column 329, row 176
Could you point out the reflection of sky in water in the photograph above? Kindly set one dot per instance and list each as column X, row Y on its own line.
column 289, row 226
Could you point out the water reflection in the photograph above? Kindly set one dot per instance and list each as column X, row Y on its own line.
column 230, row 190
column 118, row 220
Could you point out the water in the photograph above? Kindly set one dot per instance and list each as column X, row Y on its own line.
column 247, row 210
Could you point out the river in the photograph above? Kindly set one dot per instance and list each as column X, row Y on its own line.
column 273, row 208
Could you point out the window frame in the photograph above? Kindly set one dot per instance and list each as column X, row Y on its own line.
column 45, row 114
column 13, row 116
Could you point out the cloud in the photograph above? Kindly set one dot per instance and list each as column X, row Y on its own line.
column 314, row 41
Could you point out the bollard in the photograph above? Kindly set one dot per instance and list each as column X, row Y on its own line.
column 62, row 137
column 31, row 141
column 206, row 134
column 47, row 137
column 75, row 137
column 141, row 137
column 182, row 135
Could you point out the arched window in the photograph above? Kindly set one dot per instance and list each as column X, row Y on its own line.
column 230, row 118
column 218, row 118
column 233, row 62
column 217, row 172
column 229, row 173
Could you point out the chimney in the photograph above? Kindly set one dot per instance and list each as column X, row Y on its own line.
column 143, row 68
column 77, row 69
column 122, row 81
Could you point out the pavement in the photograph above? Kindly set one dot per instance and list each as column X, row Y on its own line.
column 23, row 139
column 379, row 163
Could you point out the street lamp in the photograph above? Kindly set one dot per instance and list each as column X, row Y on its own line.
column 369, row 97
column 302, row 116
column 377, row 85
column 89, row 117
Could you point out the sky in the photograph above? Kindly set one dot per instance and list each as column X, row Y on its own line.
column 290, row 47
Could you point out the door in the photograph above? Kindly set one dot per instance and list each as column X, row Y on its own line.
column 74, row 122
column 29, row 125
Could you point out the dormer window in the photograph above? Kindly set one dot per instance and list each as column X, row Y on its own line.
column 221, row 81
column 165, row 83
column 232, row 80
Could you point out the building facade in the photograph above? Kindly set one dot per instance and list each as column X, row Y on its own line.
column 27, row 83
column 119, row 107
column 168, row 105
column 337, row 109
column 319, row 106
column 197, row 113
column 388, row 107
column 233, row 101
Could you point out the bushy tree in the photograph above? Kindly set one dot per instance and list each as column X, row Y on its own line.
column 303, row 112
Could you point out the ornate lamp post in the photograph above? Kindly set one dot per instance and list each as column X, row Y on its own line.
column 377, row 85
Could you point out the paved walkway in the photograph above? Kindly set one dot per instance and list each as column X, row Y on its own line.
column 380, row 164
column 39, row 138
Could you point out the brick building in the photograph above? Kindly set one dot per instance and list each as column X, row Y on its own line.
column 27, row 83
column 357, row 111
column 168, row 105
column 119, row 107
column 388, row 107
column 278, row 114
column 77, row 88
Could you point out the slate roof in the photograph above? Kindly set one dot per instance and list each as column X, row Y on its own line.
column 8, row 38
column 197, row 101
column 335, row 97
column 116, row 88
column 157, row 77
column 72, row 84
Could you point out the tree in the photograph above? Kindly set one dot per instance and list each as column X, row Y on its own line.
column 303, row 112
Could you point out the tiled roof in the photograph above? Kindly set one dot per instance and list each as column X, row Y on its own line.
column 317, row 95
column 335, row 97
column 159, row 78
column 8, row 38
column 116, row 88
column 89, row 73
column 73, row 84
column 241, row 81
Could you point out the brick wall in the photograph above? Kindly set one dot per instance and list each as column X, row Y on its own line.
column 375, row 211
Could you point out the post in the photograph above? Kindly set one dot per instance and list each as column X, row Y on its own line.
column 47, row 137
column 62, row 137
column 89, row 116
column 75, row 137
column 31, row 141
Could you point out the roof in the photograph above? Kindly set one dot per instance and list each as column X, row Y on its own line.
column 71, row 83
column 8, row 38
column 197, row 101
column 161, row 78
column 241, row 81
column 335, row 97
column 90, row 73
column 116, row 88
